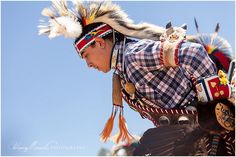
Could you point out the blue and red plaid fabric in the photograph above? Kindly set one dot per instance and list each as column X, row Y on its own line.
column 167, row 87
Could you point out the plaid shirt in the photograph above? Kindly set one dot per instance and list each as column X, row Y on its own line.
column 165, row 87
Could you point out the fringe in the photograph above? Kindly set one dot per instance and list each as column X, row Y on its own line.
column 109, row 125
column 123, row 134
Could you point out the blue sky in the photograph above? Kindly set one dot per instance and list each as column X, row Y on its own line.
column 48, row 95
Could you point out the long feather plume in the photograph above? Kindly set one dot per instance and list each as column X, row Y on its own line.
column 198, row 32
column 215, row 33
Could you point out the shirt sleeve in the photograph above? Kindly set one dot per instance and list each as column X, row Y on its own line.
column 192, row 58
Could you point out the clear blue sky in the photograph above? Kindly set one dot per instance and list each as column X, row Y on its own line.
column 50, row 97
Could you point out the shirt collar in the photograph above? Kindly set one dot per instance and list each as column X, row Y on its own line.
column 116, row 55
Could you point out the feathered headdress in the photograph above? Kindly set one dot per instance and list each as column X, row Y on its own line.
column 72, row 22
column 217, row 47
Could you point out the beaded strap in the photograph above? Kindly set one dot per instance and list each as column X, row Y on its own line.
column 144, row 110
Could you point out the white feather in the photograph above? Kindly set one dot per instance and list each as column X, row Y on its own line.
column 47, row 12
column 43, row 31
column 64, row 26
column 61, row 7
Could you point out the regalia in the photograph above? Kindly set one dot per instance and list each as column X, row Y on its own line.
column 203, row 129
